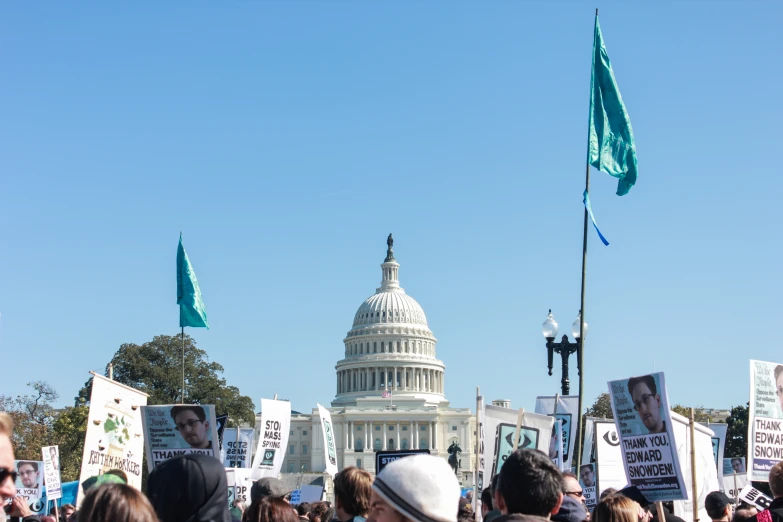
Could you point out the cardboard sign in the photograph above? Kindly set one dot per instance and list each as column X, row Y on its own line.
column 641, row 412
column 180, row 429
column 765, row 419
column 51, row 460
column 29, row 483
column 754, row 497
column 330, row 442
column 384, row 458
column 273, row 439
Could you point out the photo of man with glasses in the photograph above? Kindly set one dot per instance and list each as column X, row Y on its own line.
column 28, row 473
column 647, row 403
column 192, row 425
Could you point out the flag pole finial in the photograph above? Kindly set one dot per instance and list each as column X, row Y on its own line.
column 596, row 11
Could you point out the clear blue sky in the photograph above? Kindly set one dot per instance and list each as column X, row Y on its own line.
column 286, row 140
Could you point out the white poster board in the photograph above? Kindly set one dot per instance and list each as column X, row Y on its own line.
column 273, row 439
column 330, row 442
column 29, row 483
column 610, row 471
column 237, row 445
column 51, row 460
column 641, row 413
column 765, row 419
column 500, row 428
column 567, row 412
column 179, row 429
column 114, row 438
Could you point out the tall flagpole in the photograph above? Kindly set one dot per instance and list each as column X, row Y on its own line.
column 183, row 363
column 580, row 356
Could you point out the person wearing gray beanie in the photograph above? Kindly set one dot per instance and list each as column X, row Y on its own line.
column 421, row 488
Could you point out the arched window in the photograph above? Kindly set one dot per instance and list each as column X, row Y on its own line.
column 391, row 443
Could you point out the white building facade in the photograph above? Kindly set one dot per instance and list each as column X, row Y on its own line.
column 389, row 390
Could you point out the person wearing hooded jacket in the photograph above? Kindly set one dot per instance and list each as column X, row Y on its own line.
column 530, row 488
column 189, row 488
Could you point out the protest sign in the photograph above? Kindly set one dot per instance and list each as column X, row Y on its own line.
column 718, row 445
column 500, row 427
column 754, row 497
column 330, row 442
column 567, row 412
column 735, row 476
column 237, row 444
column 588, row 448
column 706, row 474
column 180, row 429
column 641, row 412
column 384, row 458
column 51, row 461
column 556, row 444
column 114, row 438
column 239, row 483
column 273, row 438
column 29, row 483
column 610, row 471
column 589, row 485
column 765, row 419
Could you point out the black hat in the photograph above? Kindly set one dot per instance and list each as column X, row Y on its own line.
column 267, row 487
column 633, row 493
column 717, row 500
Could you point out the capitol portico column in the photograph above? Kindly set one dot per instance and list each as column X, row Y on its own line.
column 397, row 442
column 366, row 435
column 435, row 435
column 384, row 436
column 346, row 424
column 350, row 429
column 430, row 432
column 415, row 437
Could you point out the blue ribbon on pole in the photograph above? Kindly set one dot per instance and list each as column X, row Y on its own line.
column 586, row 201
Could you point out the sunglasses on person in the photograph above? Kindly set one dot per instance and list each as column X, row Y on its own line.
column 5, row 473
column 577, row 494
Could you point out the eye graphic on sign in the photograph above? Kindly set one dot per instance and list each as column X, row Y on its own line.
column 611, row 438
column 524, row 443
column 269, row 455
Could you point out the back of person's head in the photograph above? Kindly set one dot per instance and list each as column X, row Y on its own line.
column 352, row 491
column 493, row 485
column 741, row 515
column 118, row 503
column 189, row 488
column 270, row 509
column 605, row 493
column 303, row 509
column 486, row 499
column 318, row 512
column 571, row 510
column 530, row 484
column 776, row 480
column 464, row 510
column 616, row 508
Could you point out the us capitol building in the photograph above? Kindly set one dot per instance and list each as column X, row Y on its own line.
column 389, row 390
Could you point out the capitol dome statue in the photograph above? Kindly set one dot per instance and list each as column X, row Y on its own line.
column 390, row 349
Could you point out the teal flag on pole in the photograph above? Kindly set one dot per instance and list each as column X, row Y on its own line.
column 610, row 146
column 191, row 308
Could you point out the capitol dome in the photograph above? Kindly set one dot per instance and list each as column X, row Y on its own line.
column 390, row 347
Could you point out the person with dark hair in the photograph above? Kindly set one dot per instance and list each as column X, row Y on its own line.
column 320, row 512
column 118, row 503
column 192, row 425
column 486, row 502
column 190, row 488
column 28, row 472
column 270, row 509
column 647, row 402
column 605, row 493
column 719, row 506
column 418, row 488
column 352, row 492
column 302, row 510
column 464, row 510
column 530, row 485
column 573, row 508
column 743, row 514
column 66, row 510
column 493, row 490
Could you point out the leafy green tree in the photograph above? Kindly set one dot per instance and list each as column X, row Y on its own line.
column 155, row 368
column 737, row 432
column 699, row 415
column 68, row 432
column 601, row 408
column 33, row 417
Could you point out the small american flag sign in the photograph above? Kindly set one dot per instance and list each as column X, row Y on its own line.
column 386, row 394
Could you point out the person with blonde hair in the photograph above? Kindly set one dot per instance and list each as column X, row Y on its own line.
column 118, row 503
column 617, row 508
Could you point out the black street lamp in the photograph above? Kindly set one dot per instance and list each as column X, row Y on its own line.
column 564, row 348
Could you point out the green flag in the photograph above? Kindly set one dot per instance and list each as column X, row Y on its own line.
column 610, row 146
column 191, row 308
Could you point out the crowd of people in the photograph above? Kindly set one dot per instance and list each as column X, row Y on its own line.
column 420, row 488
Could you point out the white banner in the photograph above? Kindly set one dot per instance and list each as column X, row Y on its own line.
column 641, row 413
column 765, row 419
column 239, row 483
column 733, row 484
column 610, row 471
column 115, row 438
column 273, row 439
column 567, row 411
column 706, row 474
column 51, row 460
column 330, row 443
column 29, row 482
column 588, row 449
column 718, row 446
column 179, row 429
column 500, row 426
column 237, row 445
